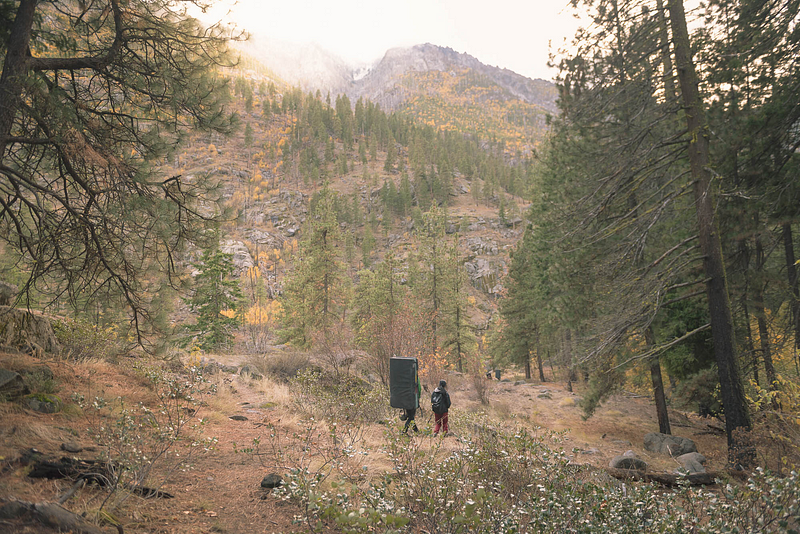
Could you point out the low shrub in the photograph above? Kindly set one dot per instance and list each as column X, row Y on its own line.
column 339, row 398
column 513, row 481
column 81, row 340
column 282, row 366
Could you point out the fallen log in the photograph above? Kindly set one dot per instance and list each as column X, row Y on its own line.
column 672, row 480
column 50, row 514
column 91, row 471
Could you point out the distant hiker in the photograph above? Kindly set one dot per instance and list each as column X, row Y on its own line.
column 440, row 404
column 405, row 389
column 409, row 415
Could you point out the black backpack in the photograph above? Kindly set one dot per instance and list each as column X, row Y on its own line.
column 437, row 402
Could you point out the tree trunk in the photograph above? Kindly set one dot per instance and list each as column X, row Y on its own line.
column 15, row 68
column 539, row 364
column 541, row 367
column 750, row 346
column 761, row 316
column 658, row 386
column 528, row 365
column 791, row 271
column 737, row 414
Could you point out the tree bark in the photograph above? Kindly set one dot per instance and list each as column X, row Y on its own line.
column 15, row 68
column 761, row 316
column 737, row 414
column 528, row 364
column 791, row 271
column 541, row 366
column 658, row 386
column 750, row 346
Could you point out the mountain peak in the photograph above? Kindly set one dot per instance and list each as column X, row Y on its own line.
column 428, row 57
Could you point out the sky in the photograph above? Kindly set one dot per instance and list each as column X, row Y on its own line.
column 512, row 34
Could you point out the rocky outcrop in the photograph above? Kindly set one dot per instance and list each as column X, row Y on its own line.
column 484, row 275
column 480, row 246
column 242, row 260
column 26, row 331
column 379, row 84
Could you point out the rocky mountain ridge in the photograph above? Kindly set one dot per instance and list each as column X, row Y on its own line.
column 312, row 68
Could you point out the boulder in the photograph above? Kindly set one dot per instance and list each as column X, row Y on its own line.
column 272, row 480
column 665, row 444
column 12, row 385
column 628, row 461
column 691, row 462
column 39, row 402
column 72, row 447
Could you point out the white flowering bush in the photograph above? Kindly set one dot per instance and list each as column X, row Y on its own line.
column 141, row 446
column 515, row 481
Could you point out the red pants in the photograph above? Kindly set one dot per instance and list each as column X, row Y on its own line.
column 440, row 422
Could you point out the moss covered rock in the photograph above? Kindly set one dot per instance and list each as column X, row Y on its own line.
column 42, row 403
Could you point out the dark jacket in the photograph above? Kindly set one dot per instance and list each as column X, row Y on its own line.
column 446, row 397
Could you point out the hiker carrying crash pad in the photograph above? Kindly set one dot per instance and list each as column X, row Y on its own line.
column 404, row 386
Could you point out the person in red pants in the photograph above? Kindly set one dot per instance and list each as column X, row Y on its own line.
column 440, row 404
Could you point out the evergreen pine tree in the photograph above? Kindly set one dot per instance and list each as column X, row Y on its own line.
column 316, row 291
column 217, row 301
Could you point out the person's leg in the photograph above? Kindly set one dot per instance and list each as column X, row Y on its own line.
column 437, row 420
column 444, row 423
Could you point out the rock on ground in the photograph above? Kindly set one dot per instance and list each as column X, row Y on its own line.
column 671, row 445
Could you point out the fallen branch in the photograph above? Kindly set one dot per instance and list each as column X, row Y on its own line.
column 75, row 487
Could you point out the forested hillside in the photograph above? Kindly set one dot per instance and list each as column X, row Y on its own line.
column 382, row 188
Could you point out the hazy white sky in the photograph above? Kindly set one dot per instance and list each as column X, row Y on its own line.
column 513, row 34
